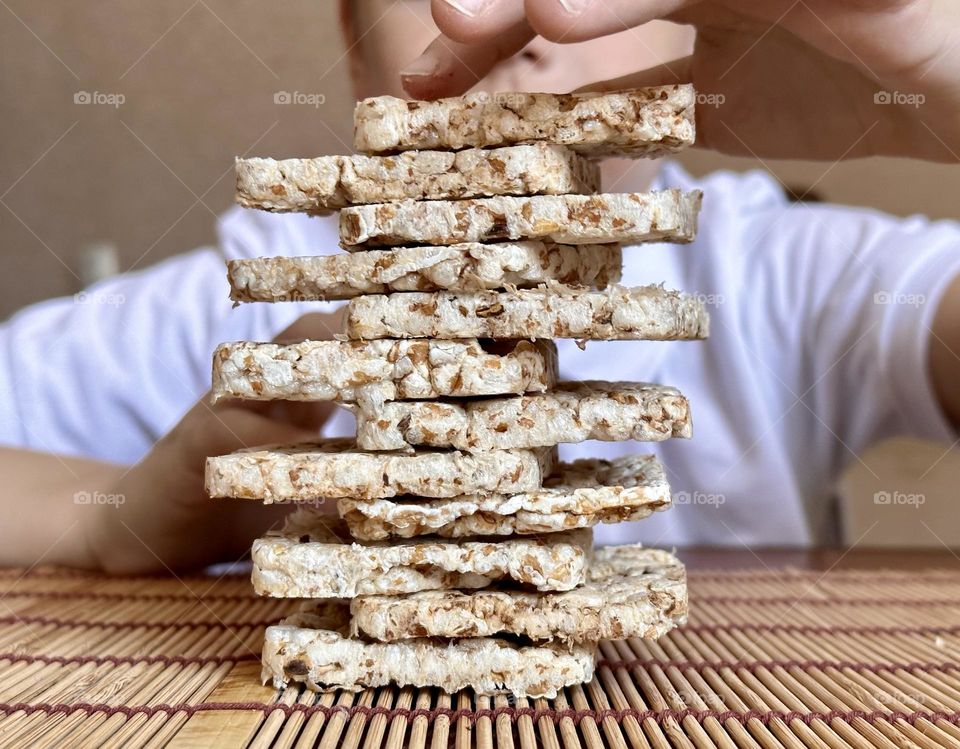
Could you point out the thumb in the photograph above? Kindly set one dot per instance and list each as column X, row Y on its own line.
column 666, row 74
column 449, row 68
column 207, row 431
column 315, row 326
column 245, row 520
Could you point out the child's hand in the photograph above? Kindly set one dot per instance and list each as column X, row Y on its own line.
column 820, row 79
column 166, row 521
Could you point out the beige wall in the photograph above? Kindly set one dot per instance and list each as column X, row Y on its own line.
column 199, row 79
column 150, row 175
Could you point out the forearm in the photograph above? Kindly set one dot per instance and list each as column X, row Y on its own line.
column 945, row 353
column 48, row 500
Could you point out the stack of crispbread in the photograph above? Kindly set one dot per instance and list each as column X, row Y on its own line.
column 461, row 553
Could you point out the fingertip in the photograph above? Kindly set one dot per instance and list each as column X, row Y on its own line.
column 446, row 68
column 454, row 23
column 418, row 86
column 449, row 68
column 556, row 20
column 429, row 87
column 423, row 78
column 475, row 21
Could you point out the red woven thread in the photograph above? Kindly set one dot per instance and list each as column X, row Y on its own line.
column 802, row 600
column 73, row 574
column 860, row 667
column 130, row 660
column 821, row 629
column 695, row 599
column 464, row 713
column 935, row 577
column 56, row 622
column 699, row 666
column 725, row 575
column 729, row 600
column 813, row 629
column 102, row 596
column 912, row 667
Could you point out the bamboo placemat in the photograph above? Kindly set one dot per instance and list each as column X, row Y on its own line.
column 769, row 659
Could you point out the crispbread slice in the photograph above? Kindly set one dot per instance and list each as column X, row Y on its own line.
column 469, row 266
column 579, row 495
column 630, row 592
column 312, row 647
column 619, row 313
column 331, row 182
column 630, row 217
column 308, row 560
column 642, row 122
column 371, row 372
column 334, row 468
column 571, row 412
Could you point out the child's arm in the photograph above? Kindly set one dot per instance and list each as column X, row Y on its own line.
column 153, row 516
column 944, row 360
column 147, row 517
column 44, row 496
column 161, row 518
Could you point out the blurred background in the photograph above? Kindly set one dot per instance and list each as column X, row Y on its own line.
column 119, row 123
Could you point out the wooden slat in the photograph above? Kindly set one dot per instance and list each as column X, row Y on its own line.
column 228, row 727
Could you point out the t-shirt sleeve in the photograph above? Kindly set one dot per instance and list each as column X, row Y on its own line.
column 866, row 288
column 106, row 373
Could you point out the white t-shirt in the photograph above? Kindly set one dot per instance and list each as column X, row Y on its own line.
column 818, row 347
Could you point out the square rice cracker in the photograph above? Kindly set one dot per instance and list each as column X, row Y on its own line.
column 328, row 183
column 371, row 372
column 469, row 266
column 309, row 559
column 334, row 468
column 580, row 494
column 651, row 121
column 313, row 647
column 571, row 412
column 630, row 217
column 649, row 313
column 630, row 592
